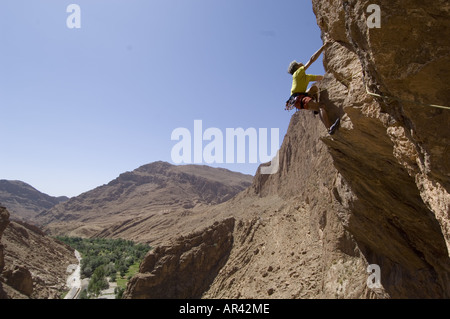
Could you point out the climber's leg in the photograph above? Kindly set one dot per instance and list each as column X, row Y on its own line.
column 314, row 106
column 314, row 92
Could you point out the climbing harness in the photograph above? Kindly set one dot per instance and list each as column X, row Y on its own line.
column 296, row 101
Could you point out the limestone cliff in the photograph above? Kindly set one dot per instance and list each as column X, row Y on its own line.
column 376, row 192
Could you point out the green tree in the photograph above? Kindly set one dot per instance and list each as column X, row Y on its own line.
column 98, row 281
column 84, row 294
column 115, row 255
column 118, row 291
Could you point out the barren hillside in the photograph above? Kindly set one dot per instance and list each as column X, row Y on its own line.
column 149, row 204
column 23, row 201
column 32, row 265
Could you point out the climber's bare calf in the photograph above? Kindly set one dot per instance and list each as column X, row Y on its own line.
column 315, row 106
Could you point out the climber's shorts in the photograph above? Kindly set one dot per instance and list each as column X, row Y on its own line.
column 299, row 101
column 305, row 100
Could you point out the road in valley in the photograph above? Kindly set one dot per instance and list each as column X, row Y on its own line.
column 74, row 280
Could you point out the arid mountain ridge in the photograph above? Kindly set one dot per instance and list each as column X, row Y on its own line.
column 147, row 204
column 23, row 201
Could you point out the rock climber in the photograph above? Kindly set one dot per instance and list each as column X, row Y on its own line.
column 304, row 99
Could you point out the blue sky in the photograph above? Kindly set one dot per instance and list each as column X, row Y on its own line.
column 81, row 106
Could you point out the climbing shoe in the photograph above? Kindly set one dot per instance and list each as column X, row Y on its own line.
column 333, row 127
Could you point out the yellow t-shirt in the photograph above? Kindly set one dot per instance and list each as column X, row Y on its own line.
column 300, row 80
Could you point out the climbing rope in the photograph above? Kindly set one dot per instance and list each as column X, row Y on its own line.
column 392, row 97
column 406, row 101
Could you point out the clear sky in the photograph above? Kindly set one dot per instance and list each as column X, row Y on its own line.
column 80, row 106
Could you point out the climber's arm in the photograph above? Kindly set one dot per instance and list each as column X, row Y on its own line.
column 319, row 78
column 312, row 77
column 315, row 57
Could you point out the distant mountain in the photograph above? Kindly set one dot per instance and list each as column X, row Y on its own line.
column 146, row 204
column 23, row 201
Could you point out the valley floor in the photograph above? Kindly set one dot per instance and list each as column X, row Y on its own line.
column 74, row 279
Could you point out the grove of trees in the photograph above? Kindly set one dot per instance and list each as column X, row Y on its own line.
column 102, row 257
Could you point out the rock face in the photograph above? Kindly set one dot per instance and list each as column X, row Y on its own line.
column 290, row 241
column 4, row 221
column 184, row 268
column 20, row 279
column 376, row 192
column 392, row 153
column 32, row 265
column 45, row 258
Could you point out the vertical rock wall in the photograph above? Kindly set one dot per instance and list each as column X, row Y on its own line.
column 184, row 268
column 391, row 153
